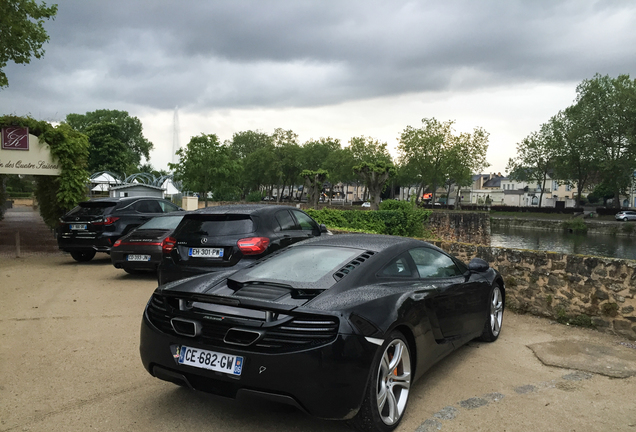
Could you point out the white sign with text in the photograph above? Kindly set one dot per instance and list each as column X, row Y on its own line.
column 22, row 153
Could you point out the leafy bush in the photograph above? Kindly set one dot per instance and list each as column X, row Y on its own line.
column 592, row 198
column 393, row 218
column 575, row 226
column 12, row 194
column 226, row 193
column 254, row 196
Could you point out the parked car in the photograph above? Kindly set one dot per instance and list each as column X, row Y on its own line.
column 95, row 225
column 625, row 215
column 140, row 250
column 338, row 326
column 366, row 204
column 224, row 237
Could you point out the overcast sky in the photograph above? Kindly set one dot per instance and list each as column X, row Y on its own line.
column 323, row 68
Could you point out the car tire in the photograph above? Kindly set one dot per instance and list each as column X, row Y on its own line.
column 494, row 321
column 83, row 256
column 387, row 391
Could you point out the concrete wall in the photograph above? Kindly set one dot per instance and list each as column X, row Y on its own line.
column 597, row 292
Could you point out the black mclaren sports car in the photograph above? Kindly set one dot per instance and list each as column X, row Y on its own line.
column 340, row 327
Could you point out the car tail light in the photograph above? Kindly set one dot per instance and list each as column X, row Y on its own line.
column 117, row 243
column 107, row 221
column 168, row 244
column 253, row 245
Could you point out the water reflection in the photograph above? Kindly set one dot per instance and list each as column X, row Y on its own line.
column 558, row 241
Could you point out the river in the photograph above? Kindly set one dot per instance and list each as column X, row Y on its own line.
column 558, row 241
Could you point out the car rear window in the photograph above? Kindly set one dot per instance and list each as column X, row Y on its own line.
column 216, row 225
column 89, row 208
column 303, row 264
column 167, row 222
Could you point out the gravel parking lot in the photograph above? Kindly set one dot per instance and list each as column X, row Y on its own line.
column 69, row 362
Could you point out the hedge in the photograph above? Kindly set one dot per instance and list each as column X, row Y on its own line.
column 393, row 218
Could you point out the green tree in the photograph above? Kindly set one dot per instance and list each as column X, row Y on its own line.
column 108, row 151
column 363, row 150
column 367, row 149
column 246, row 148
column 375, row 176
column 247, row 142
column 205, row 166
column 149, row 169
column 314, row 180
column 322, row 154
column 22, row 32
column 536, row 155
column 466, row 156
column 288, row 153
column 131, row 130
column 424, row 153
column 576, row 161
column 608, row 112
column 316, row 152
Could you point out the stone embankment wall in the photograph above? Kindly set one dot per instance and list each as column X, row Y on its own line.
column 612, row 228
column 589, row 291
column 466, row 227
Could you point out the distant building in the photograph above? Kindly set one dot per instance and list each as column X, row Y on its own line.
column 136, row 190
column 496, row 189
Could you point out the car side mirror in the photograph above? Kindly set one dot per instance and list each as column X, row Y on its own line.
column 478, row 265
column 323, row 228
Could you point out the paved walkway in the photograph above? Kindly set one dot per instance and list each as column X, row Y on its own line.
column 35, row 236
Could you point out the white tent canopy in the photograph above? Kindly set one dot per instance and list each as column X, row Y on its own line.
column 169, row 187
column 103, row 181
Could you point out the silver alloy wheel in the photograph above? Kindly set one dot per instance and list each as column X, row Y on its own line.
column 496, row 311
column 394, row 382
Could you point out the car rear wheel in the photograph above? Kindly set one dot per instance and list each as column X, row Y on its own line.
column 388, row 389
column 83, row 256
column 492, row 328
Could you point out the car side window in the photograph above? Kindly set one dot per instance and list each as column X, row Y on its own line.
column 168, row 207
column 305, row 222
column 398, row 267
column 285, row 221
column 148, row 206
column 431, row 263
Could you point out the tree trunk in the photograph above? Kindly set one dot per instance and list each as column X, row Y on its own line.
column 434, row 194
column 542, row 189
column 418, row 193
column 458, row 206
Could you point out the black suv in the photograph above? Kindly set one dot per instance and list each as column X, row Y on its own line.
column 231, row 237
column 95, row 225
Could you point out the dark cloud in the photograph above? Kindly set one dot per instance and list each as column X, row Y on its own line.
column 128, row 54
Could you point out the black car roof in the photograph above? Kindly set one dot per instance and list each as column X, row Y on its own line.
column 372, row 242
column 122, row 199
column 240, row 209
